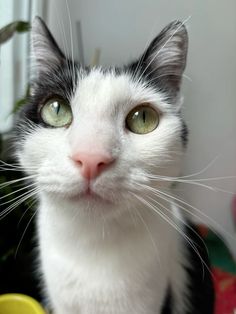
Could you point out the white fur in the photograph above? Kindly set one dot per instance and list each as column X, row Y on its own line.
column 112, row 254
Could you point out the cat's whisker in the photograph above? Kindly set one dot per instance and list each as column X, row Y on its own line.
column 135, row 74
column 201, row 171
column 153, row 79
column 8, row 210
column 181, row 204
column 4, row 184
column 17, row 191
column 179, row 230
column 15, row 198
column 175, row 226
column 18, row 169
column 211, row 179
column 133, row 215
column 159, row 212
column 183, row 221
column 148, row 230
column 26, row 128
column 72, row 47
column 209, row 165
column 195, row 216
column 61, row 27
column 23, row 234
column 10, row 169
column 196, row 182
column 15, row 166
column 166, row 178
column 26, row 211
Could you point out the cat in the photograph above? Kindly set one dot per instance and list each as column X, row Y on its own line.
column 100, row 144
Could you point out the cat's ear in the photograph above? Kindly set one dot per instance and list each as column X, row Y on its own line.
column 45, row 53
column 164, row 60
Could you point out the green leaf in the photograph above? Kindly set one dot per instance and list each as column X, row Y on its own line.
column 9, row 30
column 21, row 102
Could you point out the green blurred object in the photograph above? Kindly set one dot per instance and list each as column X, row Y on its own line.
column 9, row 30
column 21, row 102
column 0, row 144
column 219, row 253
column 7, row 33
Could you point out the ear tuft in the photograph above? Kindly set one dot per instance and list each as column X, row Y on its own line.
column 45, row 52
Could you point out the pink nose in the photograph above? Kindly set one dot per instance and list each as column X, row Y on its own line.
column 92, row 165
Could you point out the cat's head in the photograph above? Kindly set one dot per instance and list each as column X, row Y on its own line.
column 100, row 135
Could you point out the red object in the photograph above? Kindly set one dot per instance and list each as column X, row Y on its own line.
column 225, row 288
column 234, row 210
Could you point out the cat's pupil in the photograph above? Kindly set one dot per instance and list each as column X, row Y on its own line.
column 56, row 106
column 144, row 116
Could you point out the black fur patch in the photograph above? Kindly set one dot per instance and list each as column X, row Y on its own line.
column 167, row 307
column 184, row 133
column 59, row 83
column 199, row 294
column 200, row 284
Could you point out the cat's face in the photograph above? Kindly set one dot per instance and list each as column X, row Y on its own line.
column 98, row 135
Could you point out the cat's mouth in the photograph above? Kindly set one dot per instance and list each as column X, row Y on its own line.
column 91, row 196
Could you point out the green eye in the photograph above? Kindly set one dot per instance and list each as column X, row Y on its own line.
column 56, row 113
column 142, row 119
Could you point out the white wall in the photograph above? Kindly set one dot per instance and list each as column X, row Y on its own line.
column 121, row 30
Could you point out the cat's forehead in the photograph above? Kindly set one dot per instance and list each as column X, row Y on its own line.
column 106, row 89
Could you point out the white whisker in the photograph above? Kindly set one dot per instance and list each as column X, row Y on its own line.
column 196, row 182
column 150, row 235
column 26, row 211
column 183, row 221
column 23, row 234
column 14, row 192
column 8, row 210
column 72, row 47
column 7, row 183
column 203, row 217
column 177, row 228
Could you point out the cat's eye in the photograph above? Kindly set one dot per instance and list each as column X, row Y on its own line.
column 142, row 119
column 56, row 113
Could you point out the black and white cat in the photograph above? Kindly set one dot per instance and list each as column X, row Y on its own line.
column 101, row 145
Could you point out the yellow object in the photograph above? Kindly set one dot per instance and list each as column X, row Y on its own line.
column 19, row 304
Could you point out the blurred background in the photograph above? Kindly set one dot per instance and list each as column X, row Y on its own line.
column 111, row 32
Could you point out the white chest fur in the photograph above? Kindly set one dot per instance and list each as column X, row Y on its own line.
column 125, row 269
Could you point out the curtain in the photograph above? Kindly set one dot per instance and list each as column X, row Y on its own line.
column 14, row 56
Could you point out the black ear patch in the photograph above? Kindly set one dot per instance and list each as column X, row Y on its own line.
column 163, row 63
column 45, row 52
column 53, row 74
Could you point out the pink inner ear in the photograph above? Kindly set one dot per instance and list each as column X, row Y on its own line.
column 91, row 165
